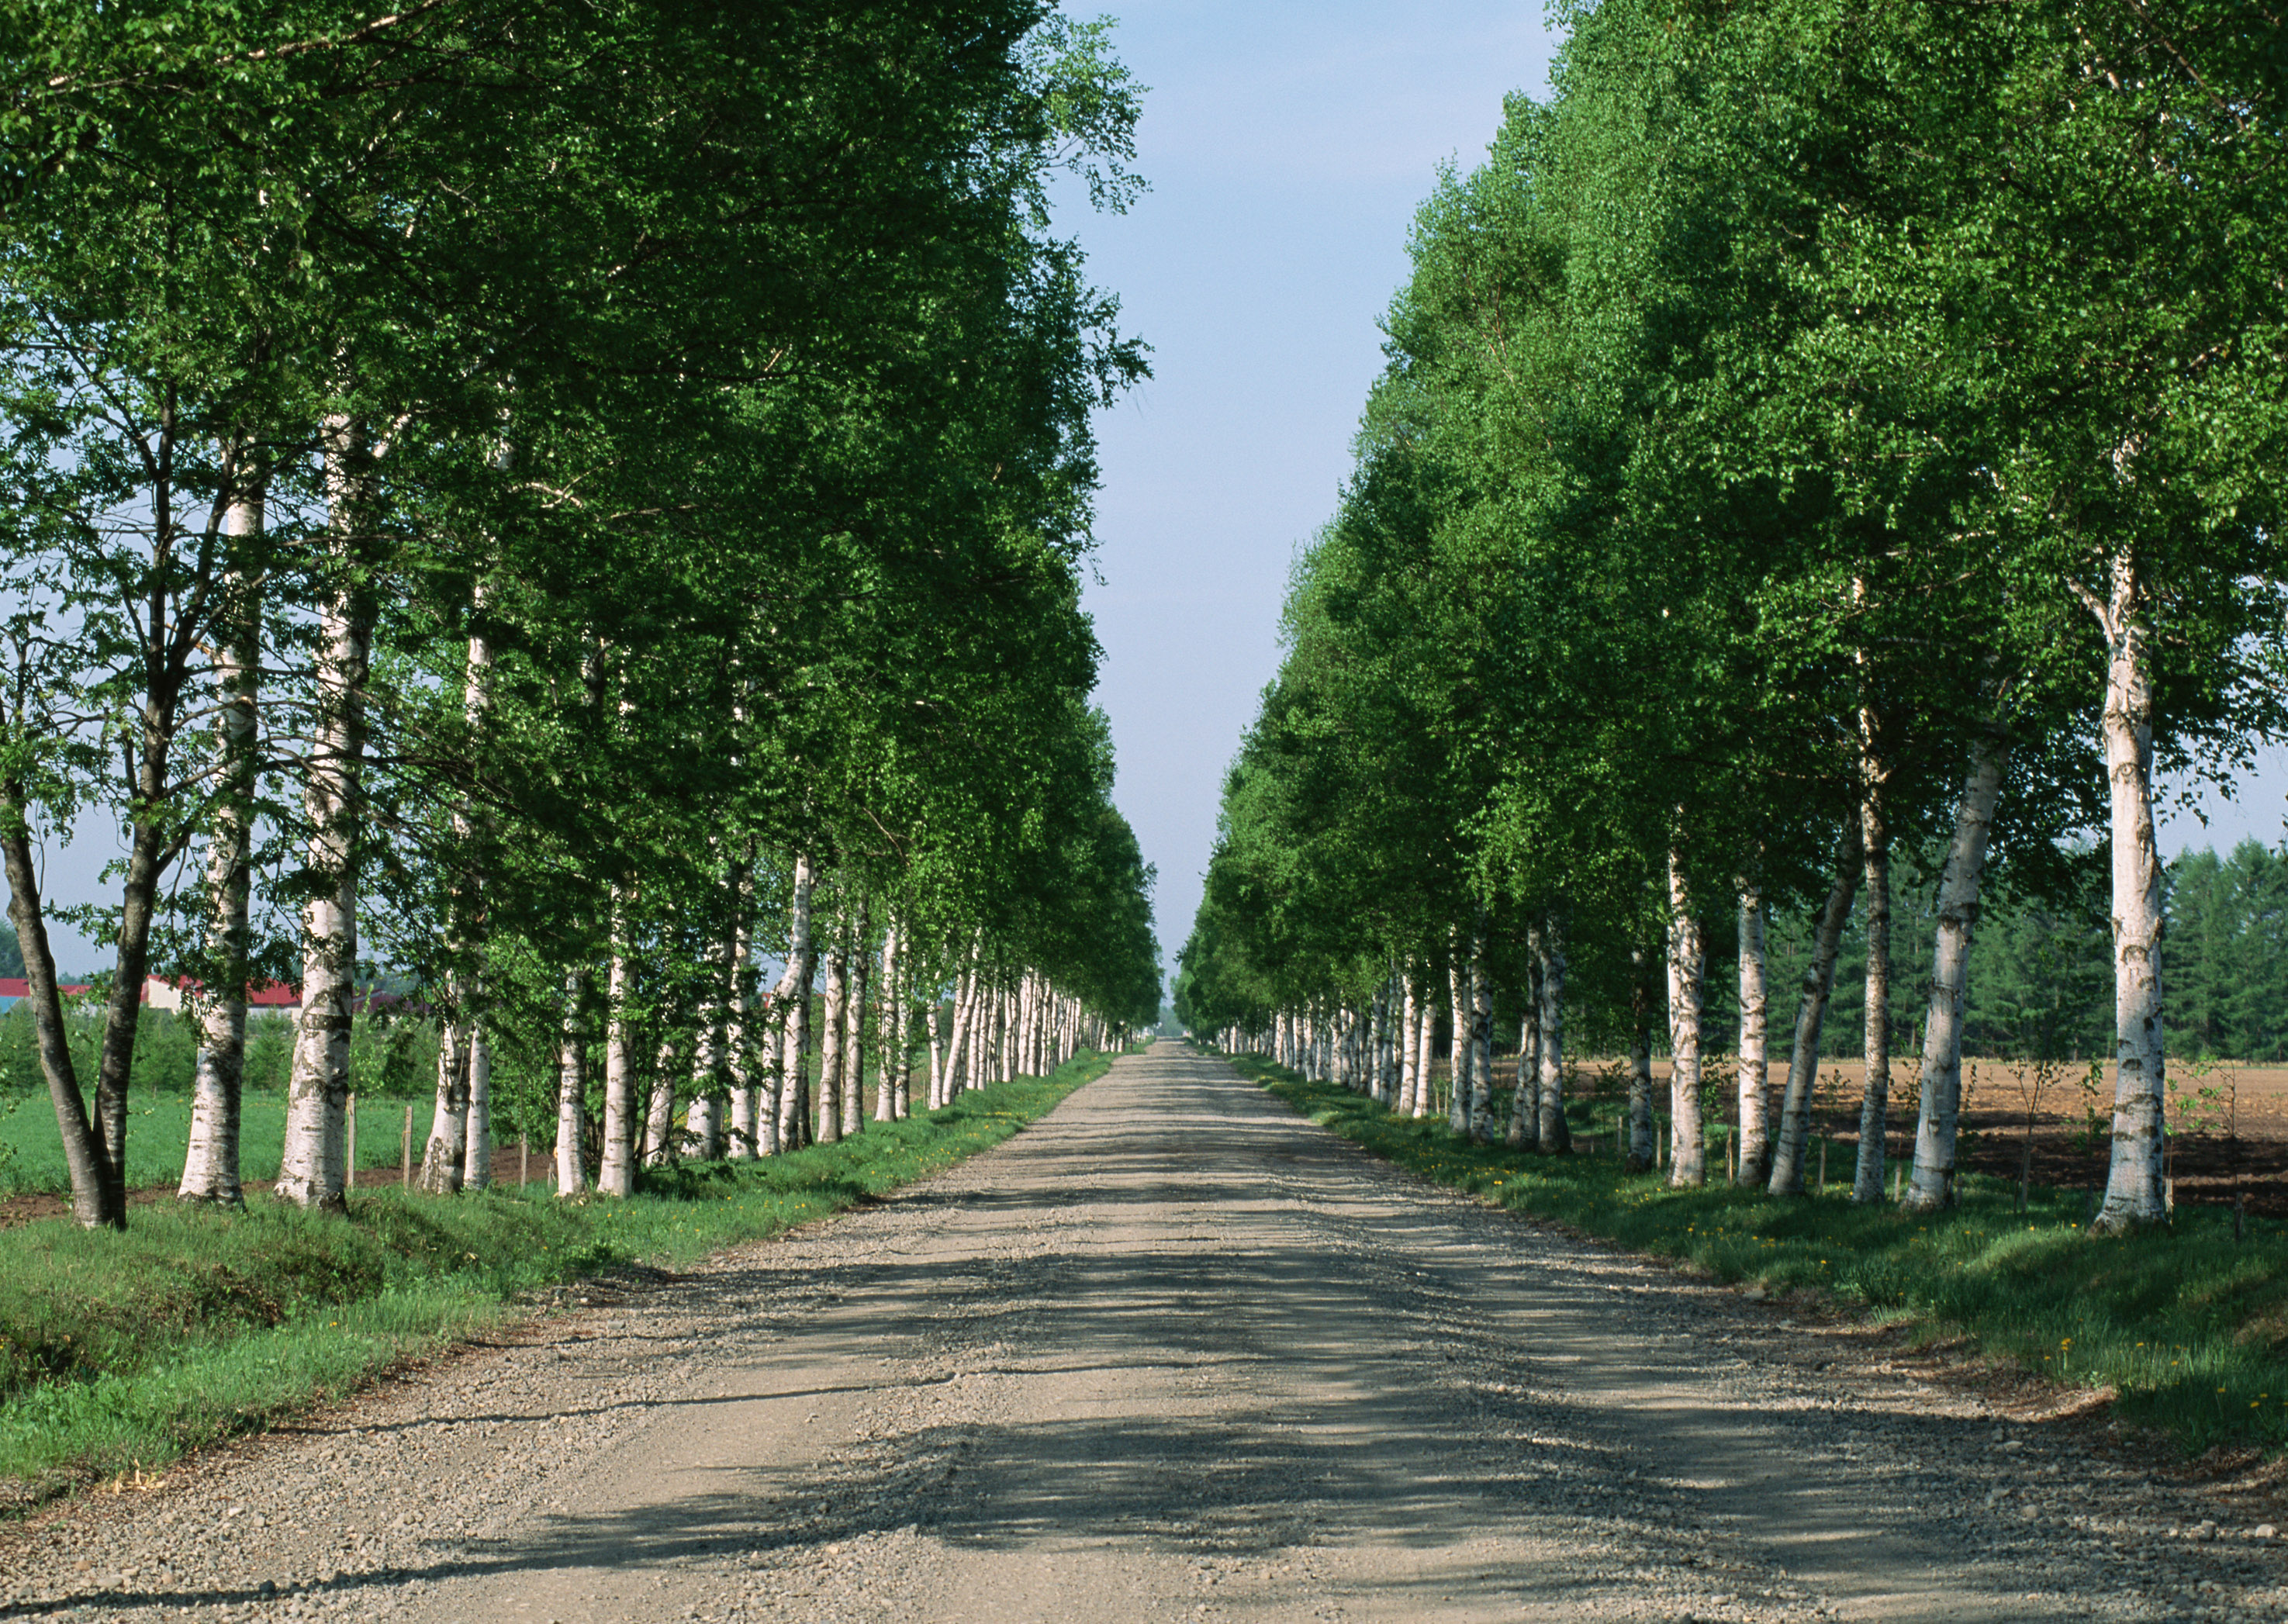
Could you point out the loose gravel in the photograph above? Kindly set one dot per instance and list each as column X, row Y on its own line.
column 1170, row 1353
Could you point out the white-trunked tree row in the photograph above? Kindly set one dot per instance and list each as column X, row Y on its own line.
column 1818, row 428
column 581, row 508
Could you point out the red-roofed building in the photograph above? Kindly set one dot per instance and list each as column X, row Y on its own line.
column 15, row 987
column 273, row 998
column 262, row 997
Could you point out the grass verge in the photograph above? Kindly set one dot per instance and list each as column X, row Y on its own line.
column 158, row 1128
column 127, row 1349
column 2188, row 1328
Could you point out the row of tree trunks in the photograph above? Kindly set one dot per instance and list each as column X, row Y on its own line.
column 311, row 1171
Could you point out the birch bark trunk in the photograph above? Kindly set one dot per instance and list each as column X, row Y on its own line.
column 572, row 1087
column 210, row 1165
column 1688, row 961
column 909, row 999
column 1457, row 1037
column 704, row 1121
column 738, row 1048
column 1409, row 1022
column 793, row 988
column 2135, row 1192
column 477, row 1148
column 448, row 1118
column 1755, row 1043
column 310, row 1172
column 476, row 703
column 1549, row 990
column 1525, row 1099
column 659, row 1146
column 1425, row 1036
column 1004, row 1035
column 1482, row 1041
column 1643, row 1148
column 793, row 1106
column 893, row 1026
column 1811, row 1015
column 829, row 1037
column 854, row 1021
column 1377, row 1035
column 1874, row 1106
column 965, row 1017
column 704, row 1117
column 615, row 1171
column 936, row 1095
column 1932, row 1185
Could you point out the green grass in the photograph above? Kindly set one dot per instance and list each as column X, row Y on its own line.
column 159, row 1131
column 2189, row 1330
column 119, row 1350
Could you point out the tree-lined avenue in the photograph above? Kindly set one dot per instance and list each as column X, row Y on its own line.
column 1169, row 1353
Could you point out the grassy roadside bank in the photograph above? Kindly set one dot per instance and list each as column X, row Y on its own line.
column 119, row 1350
column 2187, row 1328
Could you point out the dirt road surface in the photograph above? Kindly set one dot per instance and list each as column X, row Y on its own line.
column 1170, row 1353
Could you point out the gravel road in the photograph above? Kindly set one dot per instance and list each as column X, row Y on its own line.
column 1170, row 1353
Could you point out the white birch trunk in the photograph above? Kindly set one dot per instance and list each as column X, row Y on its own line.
column 448, row 1117
column 1643, row 1147
column 1409, row 1020
column 936, row 1095
column 2135, row 1192
column 1874, row 1106
column 1932, row 1186
column 616, row 1172
column 1378, row 1020
column 476, row 703
column 960, row 1039
column 1688, row 961
column 1755, row 1043
column 572, row 1087
column 1482, row 1041
column 1811, row 1015
column 738, row 1048
column 1549, row 992
column 1525, row 1099
column 1457, row 1037
column 477, row 1149
column 210, row 1166
column 830, row 1038
column 793, row 1106
column 793, row 990
column 309, row 1171
column 893, row 1031
column 659, row 1144
column 1426, row 1038
column 853, row 1027
column 704, row 1121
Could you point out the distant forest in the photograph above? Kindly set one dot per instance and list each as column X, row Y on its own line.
column 2041, row 982
column 2041, row 978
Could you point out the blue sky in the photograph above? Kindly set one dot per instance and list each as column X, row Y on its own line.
column 1287, row 146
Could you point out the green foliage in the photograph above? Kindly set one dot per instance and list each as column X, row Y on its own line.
column 198, row 1324
column 692, row 405
column 2188, row 1328
column 2229, row 955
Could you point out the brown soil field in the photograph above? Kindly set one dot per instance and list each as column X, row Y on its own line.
column 2228, row 1127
